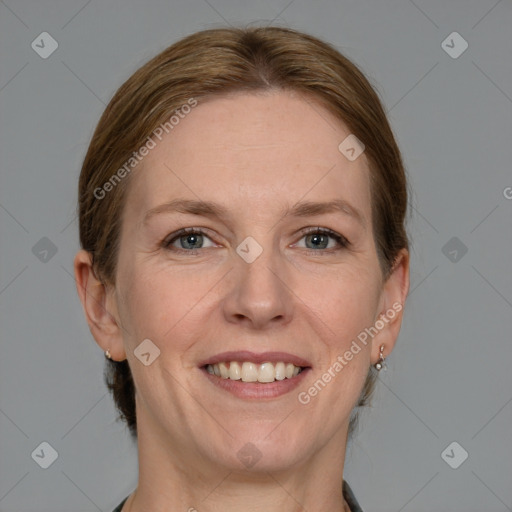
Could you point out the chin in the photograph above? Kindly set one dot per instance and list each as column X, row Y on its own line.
column 257, row 451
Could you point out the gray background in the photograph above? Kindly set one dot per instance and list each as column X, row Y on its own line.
column 449, row 378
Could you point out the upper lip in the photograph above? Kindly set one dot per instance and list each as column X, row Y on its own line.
column 253, row 357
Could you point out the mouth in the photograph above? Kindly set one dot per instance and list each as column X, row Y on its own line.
column 249, row 375
column 251, row 372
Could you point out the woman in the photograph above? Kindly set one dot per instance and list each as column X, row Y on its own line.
column 244, row 266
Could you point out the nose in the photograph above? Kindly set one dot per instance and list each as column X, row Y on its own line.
column 259, row 295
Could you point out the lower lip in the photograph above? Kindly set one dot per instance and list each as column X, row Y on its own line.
column 257, row 390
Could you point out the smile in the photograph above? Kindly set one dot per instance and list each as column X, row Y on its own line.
column 251, row 372
column 260, row 376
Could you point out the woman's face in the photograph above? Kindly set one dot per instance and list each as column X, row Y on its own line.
column 253, row 275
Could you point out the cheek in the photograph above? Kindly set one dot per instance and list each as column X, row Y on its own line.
column 158, row 303
column 346, row 301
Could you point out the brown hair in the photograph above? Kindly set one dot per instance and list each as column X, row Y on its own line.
column 212, row 63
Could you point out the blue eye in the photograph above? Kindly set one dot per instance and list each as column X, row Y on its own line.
column 319, row 238
column 190, row 240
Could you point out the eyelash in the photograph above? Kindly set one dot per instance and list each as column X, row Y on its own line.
column 340, row 239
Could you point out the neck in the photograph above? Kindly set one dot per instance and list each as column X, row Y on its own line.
column 172, row 475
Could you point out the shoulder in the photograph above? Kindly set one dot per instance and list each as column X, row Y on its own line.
column 120, row 506
column 350, row 498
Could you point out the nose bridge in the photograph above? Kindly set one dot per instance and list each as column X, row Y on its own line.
column 259, row 293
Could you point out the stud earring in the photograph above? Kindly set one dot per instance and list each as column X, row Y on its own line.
column 107, row 354
column 379, row 364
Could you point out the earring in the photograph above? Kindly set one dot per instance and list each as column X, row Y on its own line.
column 107, row 354
column 379, row 364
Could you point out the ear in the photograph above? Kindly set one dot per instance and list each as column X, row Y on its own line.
column 100, row 307
column 391, row 306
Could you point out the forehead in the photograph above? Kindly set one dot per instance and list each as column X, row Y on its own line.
column 264, row 149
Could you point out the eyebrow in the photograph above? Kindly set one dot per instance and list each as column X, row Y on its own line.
column 214, row 210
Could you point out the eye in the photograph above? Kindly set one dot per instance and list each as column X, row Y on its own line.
column 186, row 240
column 318, row 239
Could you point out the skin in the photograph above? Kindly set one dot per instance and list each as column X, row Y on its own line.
column 254, row 154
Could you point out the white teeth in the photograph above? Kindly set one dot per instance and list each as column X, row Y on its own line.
column 266, row 373
column 249, row 372
column 252, row 372
column 224, row 372
column 235, row 372
column 280, row 371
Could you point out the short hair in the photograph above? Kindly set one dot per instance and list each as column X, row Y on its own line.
column 212, row 63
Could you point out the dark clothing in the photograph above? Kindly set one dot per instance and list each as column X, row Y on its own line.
column 347, row 494
column 350, row 498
